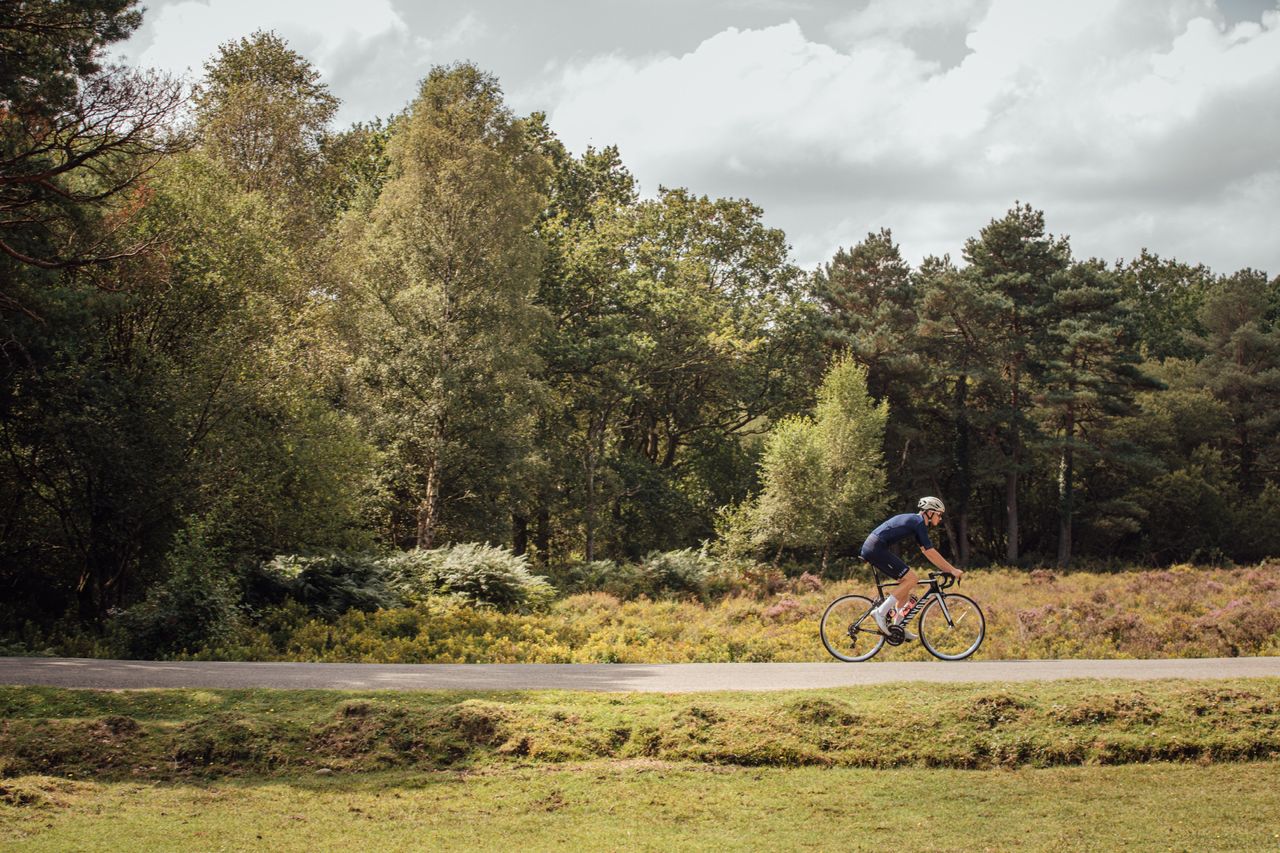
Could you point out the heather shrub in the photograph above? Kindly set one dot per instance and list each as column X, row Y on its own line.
column 1182, row 612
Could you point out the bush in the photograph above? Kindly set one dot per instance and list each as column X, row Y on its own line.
column 479, row 574
column 592, row 576
column 334, row 583
column 677, row 572
column 660, row 574
column 195, row 607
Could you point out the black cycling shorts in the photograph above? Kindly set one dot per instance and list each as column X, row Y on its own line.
column 878, row 554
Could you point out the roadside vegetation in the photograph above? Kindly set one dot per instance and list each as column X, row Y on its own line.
column 682, row 608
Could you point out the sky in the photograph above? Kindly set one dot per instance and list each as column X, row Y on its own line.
column 1133, row 124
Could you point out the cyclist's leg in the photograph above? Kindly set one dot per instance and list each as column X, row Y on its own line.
column 906, row 584
column 893, row 566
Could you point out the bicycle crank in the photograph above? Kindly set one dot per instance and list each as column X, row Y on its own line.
column 897, row 634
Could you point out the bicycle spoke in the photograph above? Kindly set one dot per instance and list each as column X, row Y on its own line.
column 848, row 631
column 955, row 633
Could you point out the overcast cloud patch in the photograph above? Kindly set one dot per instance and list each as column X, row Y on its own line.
column 1131, row 125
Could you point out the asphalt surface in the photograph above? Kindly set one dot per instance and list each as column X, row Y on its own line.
column 655, row 678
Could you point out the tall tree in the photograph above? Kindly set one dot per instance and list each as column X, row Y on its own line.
column 870, row 307
column 446, row 267
column 1242, row 368
column 1090, row 375
column 959, row 441
column 1015, row 261
column 587, row 353
column 1166, row 296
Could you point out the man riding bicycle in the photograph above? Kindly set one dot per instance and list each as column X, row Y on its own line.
column 876, row 552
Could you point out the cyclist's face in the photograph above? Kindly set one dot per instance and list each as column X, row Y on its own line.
column 933, row 517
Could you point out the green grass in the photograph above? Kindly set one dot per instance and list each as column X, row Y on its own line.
column 660, row 806
column 184, row 734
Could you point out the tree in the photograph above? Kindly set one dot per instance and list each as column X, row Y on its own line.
column 823, row 478
column 75, row 137
column 446, row 264
column 585, row 349
column 1014, row 262
column 1242, row 368
column 263, row 112
column 186, row 395
column 1090, row 375
column 870, row 305
column 1166, row 296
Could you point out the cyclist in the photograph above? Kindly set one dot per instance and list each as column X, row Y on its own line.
column 876, row 552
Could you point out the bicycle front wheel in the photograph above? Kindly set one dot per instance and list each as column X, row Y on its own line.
column 952, row 628
column 848, row 631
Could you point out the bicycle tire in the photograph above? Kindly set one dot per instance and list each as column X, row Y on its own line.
column 962, row 608
column 842, row 632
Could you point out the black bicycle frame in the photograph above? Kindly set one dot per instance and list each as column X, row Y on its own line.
column 933, row 589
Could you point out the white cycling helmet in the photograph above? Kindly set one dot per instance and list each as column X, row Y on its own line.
column 931, row 505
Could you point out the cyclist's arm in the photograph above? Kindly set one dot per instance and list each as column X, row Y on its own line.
column 932, row 555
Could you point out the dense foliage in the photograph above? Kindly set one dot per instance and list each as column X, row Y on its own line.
column 252, row 335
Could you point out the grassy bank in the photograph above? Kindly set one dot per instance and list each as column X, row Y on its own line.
column 657, row 806
column 185, row 734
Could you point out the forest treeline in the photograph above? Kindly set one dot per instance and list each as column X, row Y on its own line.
column 231, row 331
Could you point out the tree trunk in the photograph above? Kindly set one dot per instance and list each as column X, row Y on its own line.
column 590, row 515
column 1246, row 459
column 1066, row 491
column 963, row 474
column 428, row 508
column 519, row 534
column 1011, row 514
column 1011, row 477
column 542, row 538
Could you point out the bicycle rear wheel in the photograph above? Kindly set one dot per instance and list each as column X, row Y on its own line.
column 952, row 629
column 848, row 631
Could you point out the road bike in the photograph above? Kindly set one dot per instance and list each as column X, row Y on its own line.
column 951, row 625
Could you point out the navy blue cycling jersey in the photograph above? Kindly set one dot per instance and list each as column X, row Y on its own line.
column 901, row 527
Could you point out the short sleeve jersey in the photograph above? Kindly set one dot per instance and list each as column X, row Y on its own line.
column 903, row 526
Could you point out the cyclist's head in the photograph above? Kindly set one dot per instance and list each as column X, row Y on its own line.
column 929, row 505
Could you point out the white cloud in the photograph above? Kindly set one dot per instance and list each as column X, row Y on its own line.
column 894, row 18
column 364, row 51
column 1130, row 124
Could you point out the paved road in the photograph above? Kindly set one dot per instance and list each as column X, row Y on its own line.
column 656, row 678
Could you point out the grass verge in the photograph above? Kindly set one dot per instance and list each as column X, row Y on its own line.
column 184, row 734
column 659, row 806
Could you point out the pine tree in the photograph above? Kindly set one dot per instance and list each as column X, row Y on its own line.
column 1242, row 368
column 1013, row 262
column 1090, row 375
column 870, row 302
